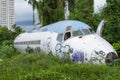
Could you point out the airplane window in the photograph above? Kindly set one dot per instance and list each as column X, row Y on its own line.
column 67, row 35
column 91, row 31
column 77, row 33
column 85, row 31
column 59, row 37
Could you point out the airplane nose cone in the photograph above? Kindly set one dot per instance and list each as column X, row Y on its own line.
column 110, row 57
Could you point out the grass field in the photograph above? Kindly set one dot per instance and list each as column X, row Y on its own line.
column 48, row 67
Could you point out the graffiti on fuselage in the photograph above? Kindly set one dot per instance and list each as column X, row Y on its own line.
column 77, row 56
column 98, row 56
column 49, row 44
column 100, row 53
column 62, row 49
column 32, row 50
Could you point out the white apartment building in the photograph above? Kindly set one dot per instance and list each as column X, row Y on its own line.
column 7, row 13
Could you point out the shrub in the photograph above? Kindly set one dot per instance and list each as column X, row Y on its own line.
column 7, row 51
column 117, row 47
column 44, row 75
column 48, row 67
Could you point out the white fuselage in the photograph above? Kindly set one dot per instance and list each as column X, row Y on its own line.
column 86, row 48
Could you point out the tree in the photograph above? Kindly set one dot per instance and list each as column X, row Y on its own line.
column 111, row 14
column 7, row 36
column 83, row 11
column 17, row 30
column 35, row 5
column 72, row 4
column 49, row 11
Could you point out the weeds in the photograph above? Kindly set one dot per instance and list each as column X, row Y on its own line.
column 48, row 67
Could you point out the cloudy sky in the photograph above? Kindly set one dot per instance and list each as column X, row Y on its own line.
column 23, row 11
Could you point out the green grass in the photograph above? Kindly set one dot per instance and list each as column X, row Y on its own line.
column 48, row 67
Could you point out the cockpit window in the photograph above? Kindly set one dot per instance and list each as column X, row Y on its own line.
column 59, row 37
column 91, row 31
column 85, row 31
column 82, row 32
column 77, row 33
column 67, row 35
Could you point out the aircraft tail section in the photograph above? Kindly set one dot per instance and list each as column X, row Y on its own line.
column 100, row 27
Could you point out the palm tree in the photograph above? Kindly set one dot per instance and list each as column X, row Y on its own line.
column 35, row 5
column 49, row 11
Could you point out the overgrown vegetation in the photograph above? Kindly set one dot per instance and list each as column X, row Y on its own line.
column 48, row 67
column 111, row 15
column 49, row 11
column 6, row 41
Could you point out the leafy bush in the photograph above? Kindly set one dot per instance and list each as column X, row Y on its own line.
column 117, row 47
column 111, row 15
column 6, row 41
column 7, row 51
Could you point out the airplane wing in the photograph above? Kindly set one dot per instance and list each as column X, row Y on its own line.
column 100, row 27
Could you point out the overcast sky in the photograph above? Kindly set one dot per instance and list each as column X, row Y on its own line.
column 23, row 11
